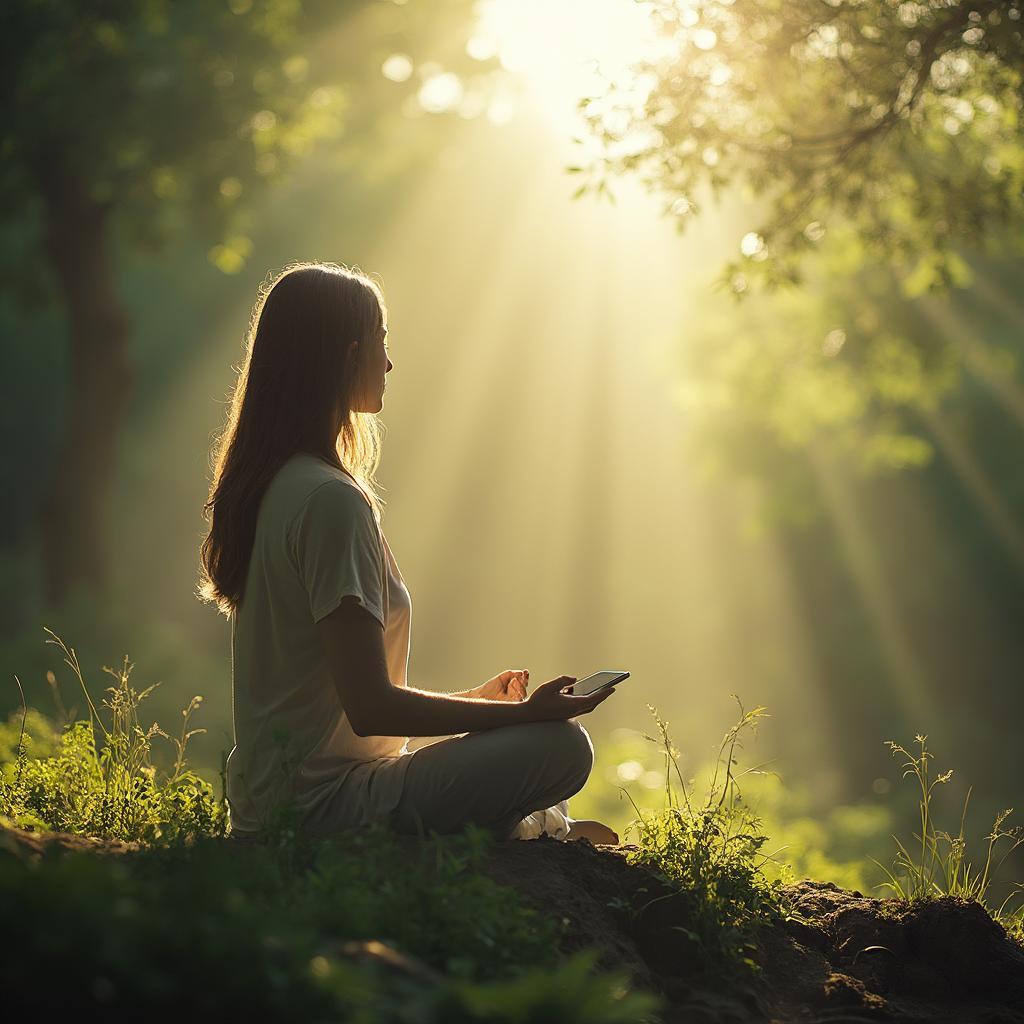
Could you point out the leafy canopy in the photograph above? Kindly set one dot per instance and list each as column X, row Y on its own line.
column 157, row 108
column 898, row 119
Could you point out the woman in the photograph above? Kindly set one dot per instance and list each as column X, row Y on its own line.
column 320, row 615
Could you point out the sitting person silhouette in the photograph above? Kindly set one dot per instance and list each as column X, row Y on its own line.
column 320, row 615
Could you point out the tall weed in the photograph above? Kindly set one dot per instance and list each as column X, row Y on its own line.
column 261, row 927
column 936, row 863
column 98, row 778
column 709, row 843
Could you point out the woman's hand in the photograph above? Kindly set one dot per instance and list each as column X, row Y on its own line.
column 549, row 702
column 509, row 685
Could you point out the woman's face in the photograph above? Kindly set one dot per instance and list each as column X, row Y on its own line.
column 371, row 381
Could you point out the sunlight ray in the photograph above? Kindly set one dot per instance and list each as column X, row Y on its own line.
column 911, row 686
column 980, row 357
column 462, row 358
column 979, row 485
column 993, row 293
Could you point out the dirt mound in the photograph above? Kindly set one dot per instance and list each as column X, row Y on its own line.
column 35, row 844
column 843, row 958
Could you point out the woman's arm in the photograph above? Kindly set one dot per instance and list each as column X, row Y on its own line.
column 353, row 640
column 406, row 711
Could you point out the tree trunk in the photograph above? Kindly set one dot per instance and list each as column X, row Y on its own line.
column 73, row 514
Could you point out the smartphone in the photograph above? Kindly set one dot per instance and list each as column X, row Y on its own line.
column 598, row 681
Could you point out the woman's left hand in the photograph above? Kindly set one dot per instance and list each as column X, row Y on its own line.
column 509, row 685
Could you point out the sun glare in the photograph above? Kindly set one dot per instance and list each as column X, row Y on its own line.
column 564, row 49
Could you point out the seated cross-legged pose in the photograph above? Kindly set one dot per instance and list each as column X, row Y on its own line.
column 320, row 616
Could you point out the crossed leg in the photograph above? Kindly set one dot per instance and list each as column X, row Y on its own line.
column 493, row 778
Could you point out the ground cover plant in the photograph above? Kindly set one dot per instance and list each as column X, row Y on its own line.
column 709, row 841
column 273, row 934
column 96, row 777
column 937, row 863
column 710, row 844
column 287, row 928
column 364, row 928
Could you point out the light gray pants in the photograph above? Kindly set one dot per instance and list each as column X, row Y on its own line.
column 493, row 778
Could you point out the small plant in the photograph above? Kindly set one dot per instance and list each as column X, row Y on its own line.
column 710, row 846
column 269, row 935
column 112, row 789
column 936, row 864
column 274, row 931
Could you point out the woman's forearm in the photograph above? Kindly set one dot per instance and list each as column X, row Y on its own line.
column 410, row 712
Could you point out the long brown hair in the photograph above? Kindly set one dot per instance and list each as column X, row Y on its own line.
column 293, row 394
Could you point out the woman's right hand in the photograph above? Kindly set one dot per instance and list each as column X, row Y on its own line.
column 547, row 702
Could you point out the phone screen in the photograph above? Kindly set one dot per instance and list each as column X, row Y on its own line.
column 597, row 681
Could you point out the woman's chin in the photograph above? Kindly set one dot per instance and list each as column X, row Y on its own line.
column 370, row 408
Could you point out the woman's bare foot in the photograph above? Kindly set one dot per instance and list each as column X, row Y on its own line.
column 595, row 831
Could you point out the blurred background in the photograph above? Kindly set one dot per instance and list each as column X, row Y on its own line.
column 735, row 414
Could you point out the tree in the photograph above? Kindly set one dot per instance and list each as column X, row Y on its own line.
column 123, row 117
column 883, row 148
column 898, row 124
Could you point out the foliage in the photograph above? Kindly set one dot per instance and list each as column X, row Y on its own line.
column 710, row 846
column 848, row 370
column 831, row 844
column 877, row 152
column 128, row 121
column 572, row 992
column 937, row 863
column 66, row 782
column 900, row 121
column 261, row 927
column 834, row 842
column 239, row 93
column 184, row 650
column 266, row 933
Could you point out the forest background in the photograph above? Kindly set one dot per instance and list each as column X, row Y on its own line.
column 751, row 427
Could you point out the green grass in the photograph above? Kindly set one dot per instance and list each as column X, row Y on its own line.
column 192, row 918
column 264, row 928
column 709, row 842
column 264, row 931
column 97, row 777
column 807, row 839
column 936, row 862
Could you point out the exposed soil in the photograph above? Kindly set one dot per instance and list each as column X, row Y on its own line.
column 33, row 844
column 845, row 959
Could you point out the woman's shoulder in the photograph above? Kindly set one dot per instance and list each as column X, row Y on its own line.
column 305, row 472
column 307, row 482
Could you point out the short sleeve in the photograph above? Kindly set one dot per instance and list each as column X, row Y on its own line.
column 338, row 551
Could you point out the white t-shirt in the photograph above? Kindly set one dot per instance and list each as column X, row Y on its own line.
column 316, row 540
